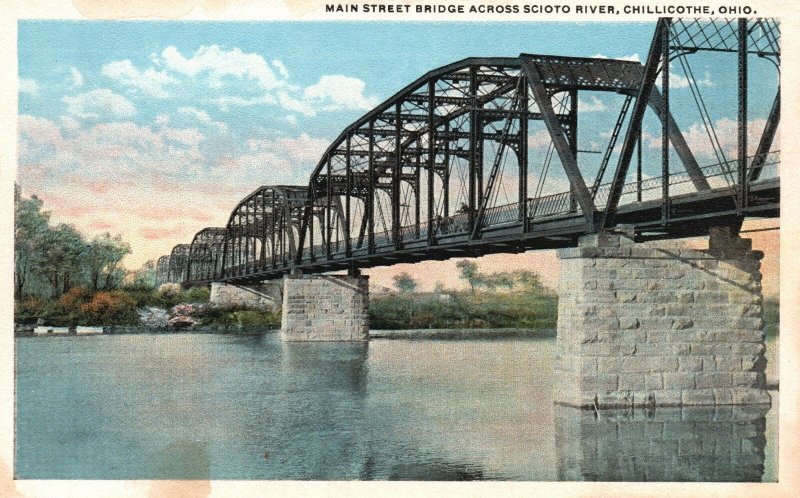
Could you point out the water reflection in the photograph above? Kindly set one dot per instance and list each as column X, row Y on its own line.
column 712, row 444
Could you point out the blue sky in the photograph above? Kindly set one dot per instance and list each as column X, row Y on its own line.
column 128, row 127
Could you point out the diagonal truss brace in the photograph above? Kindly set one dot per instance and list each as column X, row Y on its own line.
column 676, row 137
column 560, row 142
column 635, row 124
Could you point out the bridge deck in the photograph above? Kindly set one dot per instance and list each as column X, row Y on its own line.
column 551, row 224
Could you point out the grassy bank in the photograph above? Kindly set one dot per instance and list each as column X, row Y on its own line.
column 119, row 307
column 481, row 310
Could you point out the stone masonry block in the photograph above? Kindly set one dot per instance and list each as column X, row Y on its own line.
column 660, row 324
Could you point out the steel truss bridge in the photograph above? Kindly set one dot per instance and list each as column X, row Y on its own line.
column 482, row 156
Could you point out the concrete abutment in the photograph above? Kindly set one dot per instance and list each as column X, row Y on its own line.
column 658, row 324
column 325, row 308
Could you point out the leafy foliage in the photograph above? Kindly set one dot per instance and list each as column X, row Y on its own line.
column 405, row 282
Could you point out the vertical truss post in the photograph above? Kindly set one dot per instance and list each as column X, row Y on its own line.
column 561, row 143
column 348, row 248
column 446, row 176
column 396, row 170
column 263, row 256
column 473, row 145
column 573, row 135
column 417, row 186
column 522, row 154
column 328, row 209
column 634, row 125
column 272, row 233
column 431, row 159
column 766, row 137
column 665, row 200
column 371, row 194
column 742, row 156
column 639, row 166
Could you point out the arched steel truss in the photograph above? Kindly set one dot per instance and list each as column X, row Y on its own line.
column 419, row 176
column 179, row 263
column 262, row 231
column 162, row 270
column 206, row 254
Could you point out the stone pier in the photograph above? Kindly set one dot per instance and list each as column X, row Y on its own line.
column 266, row 295
column 325, row 308
column 657, row 324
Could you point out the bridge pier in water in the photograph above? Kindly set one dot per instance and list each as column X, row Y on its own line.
column 658, row 324
column 325, row 308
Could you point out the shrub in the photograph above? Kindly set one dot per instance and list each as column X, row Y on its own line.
column 110, row 308
column 29, row 310
column 169, row 290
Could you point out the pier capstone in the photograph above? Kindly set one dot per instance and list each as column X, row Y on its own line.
column 325, row 308
column 659, row 324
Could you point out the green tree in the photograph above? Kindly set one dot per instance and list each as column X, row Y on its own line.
column 405, row 282
column 103, row 256
column 59, row 260
column 30, row 232
column 145, row 277
column 469, row 272
column 529, row 281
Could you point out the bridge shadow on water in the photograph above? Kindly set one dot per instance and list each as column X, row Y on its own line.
column 701, row 444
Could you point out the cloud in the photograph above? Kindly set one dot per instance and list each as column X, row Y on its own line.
column 100, row 103
column 75, row 78
column 281, row 68
column 631, row 57
column 202, row 116
column 728, row 135
column 337, row 92
column 596, row 105
column 149, row 81
column 219, row 63
column 29, row 86
column 186, row 136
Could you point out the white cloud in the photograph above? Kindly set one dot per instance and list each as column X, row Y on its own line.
column 631, row 57
column 279, row 65
column 596, row 105
column 75, row 78
column 202, row 116
column 292, row 104
column 100, row 103
column 219, row 63
column 162, row 119
column 187, row 136
column 149, row 81
column 29, row 86
column 336, row 92
column 539, row 139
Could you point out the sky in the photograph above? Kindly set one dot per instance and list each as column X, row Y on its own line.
column 155, row 130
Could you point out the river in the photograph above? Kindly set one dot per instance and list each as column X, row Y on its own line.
column 203, row 406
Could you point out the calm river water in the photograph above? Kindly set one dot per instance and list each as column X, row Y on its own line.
column 252, row 407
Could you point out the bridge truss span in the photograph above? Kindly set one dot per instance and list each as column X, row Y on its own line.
column 488, row 155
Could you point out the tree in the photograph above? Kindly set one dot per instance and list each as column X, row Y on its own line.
column 469, row 272
column 30, row 230
column 59, row 261
column 102, row 260
column 529, row 281
column 405, row 283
